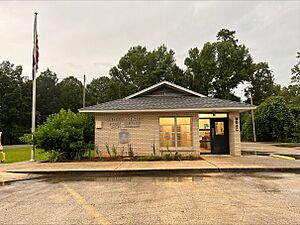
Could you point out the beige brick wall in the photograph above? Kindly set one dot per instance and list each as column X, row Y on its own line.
column 143, row 137
column 234, row 134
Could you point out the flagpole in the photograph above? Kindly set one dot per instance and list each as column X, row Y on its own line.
column 33, row 85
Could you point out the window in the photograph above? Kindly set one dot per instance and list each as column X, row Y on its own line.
column 219, row 126
column 175, row 132
column 204, row 135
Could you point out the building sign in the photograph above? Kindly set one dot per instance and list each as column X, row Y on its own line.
column 124, row 137
column 114, row 122
column 132, row 122
column 127, row 122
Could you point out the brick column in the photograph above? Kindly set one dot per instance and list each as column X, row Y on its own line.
column 234, row 133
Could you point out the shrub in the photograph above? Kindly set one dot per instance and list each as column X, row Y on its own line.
column 192, row 157
column 177, row 156
column 65, row 133
column 54, row 156
column 107, row 149
column 114, row 150
column 130, row 151
column 153, row 149
column 274, row 121
column 151, row 158
column 168, row 156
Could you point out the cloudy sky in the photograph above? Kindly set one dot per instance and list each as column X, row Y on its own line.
column 77, row 37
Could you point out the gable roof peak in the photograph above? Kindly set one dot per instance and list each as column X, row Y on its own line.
column 168, row 84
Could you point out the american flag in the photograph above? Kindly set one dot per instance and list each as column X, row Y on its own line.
column 35, row 61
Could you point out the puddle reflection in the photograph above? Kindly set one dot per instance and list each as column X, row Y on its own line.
column 173, row 179
column 159, row 178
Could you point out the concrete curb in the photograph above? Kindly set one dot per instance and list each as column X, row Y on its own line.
column 169, row 171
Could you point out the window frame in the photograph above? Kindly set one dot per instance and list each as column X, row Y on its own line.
column 176, row 131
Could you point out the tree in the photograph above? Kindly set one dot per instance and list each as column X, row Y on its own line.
column 162, row 67
column 70, row 93
column 262, row 84
column 291, row 93
column 66, row 133
column 25, row 110
column 296, row 71
column 47, row 95
column 234, row 64
column 223, row 65
column 274, row 121
column 11, row 111
column 200, row 69
column 97, row 90
column 139, row 68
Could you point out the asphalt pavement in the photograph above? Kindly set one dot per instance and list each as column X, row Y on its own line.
column 206, row 198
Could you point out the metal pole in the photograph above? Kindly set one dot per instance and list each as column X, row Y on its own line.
column 33, row 87
column 253, row 120
column 83, row 101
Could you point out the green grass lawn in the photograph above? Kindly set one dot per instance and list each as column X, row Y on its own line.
column 22, row 154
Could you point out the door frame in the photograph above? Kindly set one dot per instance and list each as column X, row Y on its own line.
column 226, row 120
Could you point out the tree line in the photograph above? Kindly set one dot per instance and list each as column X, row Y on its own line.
column 215, row 70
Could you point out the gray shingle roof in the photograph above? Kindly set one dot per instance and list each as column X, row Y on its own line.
column 166, row 102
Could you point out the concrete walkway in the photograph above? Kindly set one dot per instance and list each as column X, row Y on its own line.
column 209, row 163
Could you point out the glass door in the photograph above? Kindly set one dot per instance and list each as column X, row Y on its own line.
column 219, row 136
column 204, row 135
column 213, row 133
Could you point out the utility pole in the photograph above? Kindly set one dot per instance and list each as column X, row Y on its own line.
column 83, row 100
column 253, row 121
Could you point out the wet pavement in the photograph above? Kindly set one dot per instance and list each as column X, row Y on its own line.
column 267, row 148
column 206, row 198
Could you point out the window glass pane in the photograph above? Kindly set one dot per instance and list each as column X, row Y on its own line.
column 183, row 128
column 183, row 120
column 205, row 147
column 185, row 143
column 167, row 128
column 211, row 115
column 204, row 135
column 184, row 139
column 219, row 126
column 204, row 124
column 167, row 139
column 184, row 136
column 166, row 121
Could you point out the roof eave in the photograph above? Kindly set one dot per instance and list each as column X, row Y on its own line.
column 221, row 109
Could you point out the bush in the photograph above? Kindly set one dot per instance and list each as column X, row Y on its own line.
column 274, row 121
column 65, row 135
column 151, row 158
column 54, row 156
column 130, row 151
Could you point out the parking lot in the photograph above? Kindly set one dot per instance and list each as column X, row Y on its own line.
column 212, row 198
